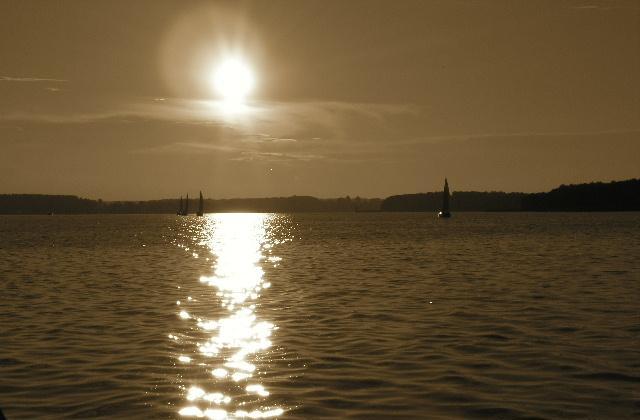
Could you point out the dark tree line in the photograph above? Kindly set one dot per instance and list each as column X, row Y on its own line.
column 460, row 201
column 598, row 196
column 68, row 204
column 43, row 204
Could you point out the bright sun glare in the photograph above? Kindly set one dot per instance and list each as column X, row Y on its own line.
column 233, row 80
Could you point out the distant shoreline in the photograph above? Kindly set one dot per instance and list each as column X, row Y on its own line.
column 326, row 212
column 597, row 196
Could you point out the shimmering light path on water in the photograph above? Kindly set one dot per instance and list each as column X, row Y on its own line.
column 320, row 316
column 238, row 341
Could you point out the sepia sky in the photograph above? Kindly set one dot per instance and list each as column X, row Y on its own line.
column 115, row 99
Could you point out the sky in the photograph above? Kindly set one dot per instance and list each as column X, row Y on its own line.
column 116, row 99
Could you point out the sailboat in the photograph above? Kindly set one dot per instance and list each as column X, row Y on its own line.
column 186, row 207
column 179, row 212
column 445, row 201
column 201, row 206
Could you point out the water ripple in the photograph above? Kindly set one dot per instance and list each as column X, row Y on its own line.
column 320, row 316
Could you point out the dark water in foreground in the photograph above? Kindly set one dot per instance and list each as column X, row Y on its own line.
column 312, row 316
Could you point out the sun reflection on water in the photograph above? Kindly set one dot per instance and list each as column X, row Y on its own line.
column 233, row 342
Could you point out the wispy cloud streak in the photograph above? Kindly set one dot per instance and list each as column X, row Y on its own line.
column 30, row 79
column 472, row 136
column 607, row 5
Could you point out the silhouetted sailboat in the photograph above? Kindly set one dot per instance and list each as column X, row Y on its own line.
column 180, row 210
column 201, row 206
column 445, row 201
column 184, row 207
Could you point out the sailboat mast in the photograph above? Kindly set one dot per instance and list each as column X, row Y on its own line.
column 445, row 197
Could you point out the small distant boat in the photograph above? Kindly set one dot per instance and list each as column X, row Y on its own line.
column 201, row 206
column 444, row 213
column 184, row 207
column 180, row 210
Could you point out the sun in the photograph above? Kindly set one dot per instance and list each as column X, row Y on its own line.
column 233, row 80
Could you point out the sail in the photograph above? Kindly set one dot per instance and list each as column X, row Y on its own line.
column 201, row 206
column 445, row 197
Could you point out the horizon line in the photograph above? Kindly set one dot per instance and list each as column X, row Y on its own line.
column 319, row 198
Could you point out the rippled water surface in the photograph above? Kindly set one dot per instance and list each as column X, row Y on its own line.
column 320, row 316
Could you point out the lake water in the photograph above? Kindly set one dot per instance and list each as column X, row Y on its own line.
column 364, row 315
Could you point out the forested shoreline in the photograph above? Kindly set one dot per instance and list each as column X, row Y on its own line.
column 597, row 196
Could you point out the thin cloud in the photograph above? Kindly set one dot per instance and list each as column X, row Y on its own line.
column 30, row 79
column 282, row 123
column 606, row 5
column 86, row 118
column 275, row 156
column 266, row 138
column 520, row 135
column 285, row 122
column 235, row 153
column 185, row 147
